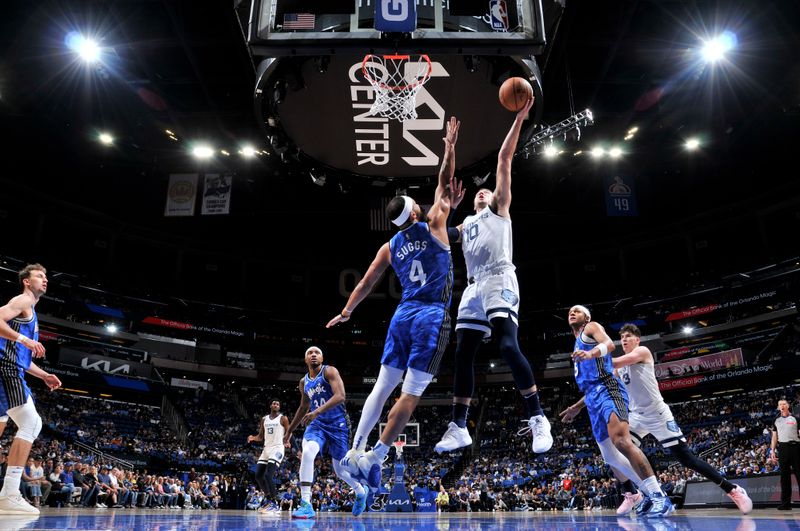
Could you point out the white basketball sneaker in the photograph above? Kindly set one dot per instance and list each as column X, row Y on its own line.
column 453, row 439
column 16, row 504
column 539, row 427
column 350, row 462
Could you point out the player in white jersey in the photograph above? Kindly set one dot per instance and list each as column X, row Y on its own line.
column 271, row 430
column 491, row 301
column 650, row 415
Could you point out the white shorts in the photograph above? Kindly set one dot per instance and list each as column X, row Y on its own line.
column 660, row 425
column 272, row 453
column 489, row 297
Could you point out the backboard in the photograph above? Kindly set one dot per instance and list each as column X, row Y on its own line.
column 410, row 434
column 309, row 27
column 313, row 101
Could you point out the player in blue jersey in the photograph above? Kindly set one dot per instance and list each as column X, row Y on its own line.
column 420, row 329
column 606, row 401
column 19, row 342
column 322, row 412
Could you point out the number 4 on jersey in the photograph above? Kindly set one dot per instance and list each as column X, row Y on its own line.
column 417, row 274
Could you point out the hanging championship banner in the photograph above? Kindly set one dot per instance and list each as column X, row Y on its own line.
column 181, row 194
column 620, row 196
column 216, row 194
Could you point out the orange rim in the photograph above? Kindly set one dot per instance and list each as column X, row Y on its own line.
column 396, row 88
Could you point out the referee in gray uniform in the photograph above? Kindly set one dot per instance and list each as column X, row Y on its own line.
column 785, row 436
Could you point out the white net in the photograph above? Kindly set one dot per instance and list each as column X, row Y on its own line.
column 396, row 80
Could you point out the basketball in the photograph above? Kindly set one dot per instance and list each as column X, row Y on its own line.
column 514, row 93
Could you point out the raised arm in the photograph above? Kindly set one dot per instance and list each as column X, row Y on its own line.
column 502, row 192
column 445, row 190
column 448, row 168
column 365, row 287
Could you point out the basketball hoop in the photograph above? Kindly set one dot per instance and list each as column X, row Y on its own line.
column 396, row 80
column 398, row 447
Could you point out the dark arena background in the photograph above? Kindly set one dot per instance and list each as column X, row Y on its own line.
column 206, row 188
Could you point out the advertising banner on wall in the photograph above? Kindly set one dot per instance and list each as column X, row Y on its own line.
column 708, row 363
column 761, row 489
column 96, row 362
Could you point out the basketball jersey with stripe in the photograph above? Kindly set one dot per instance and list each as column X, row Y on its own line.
column 15, row 358
column 643, row 393
column 422, row 264
column 273, row 430
column 589, row 373
column 319, row 391
column 486, row 240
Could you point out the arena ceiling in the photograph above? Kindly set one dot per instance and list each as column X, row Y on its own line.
column 184, row 67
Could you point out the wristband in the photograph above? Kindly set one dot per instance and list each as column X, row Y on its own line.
column 603, row 349
column 21, row 339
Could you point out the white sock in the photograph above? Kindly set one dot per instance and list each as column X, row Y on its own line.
column 11, row 481
column 305, row 493
column 388, row 378
column 651, row 487
column 381, row 450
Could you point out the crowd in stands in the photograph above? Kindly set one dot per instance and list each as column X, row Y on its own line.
column 499, row 473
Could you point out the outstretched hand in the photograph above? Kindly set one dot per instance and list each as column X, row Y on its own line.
column 569, row 414
column 341, row 318
column 523, row 113
column 456, row 192
column 451, row 137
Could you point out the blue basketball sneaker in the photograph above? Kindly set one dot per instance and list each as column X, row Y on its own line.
column 360, row 504
column 644, row 505
column 661, row 508
column 305, row 511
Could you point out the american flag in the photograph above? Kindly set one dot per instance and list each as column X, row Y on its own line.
column 298, row 21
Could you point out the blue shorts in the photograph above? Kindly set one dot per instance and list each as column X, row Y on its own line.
column 334, row 437
column 601, row 401
column 14, row 392
column 417, row 337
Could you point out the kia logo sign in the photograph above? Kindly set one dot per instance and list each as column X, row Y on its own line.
column 105, row 366
column 399, row 502
column 326, row 115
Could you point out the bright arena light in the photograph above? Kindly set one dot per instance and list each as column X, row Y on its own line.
column 88, row 50
column 106, row 139
column 598, row 152
column 716, row 48
column 692, row 144
column 248, row 151
column 687, row 330
column 202, row 152
column 615, row 152
column 112, row 329
column 550, row 151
